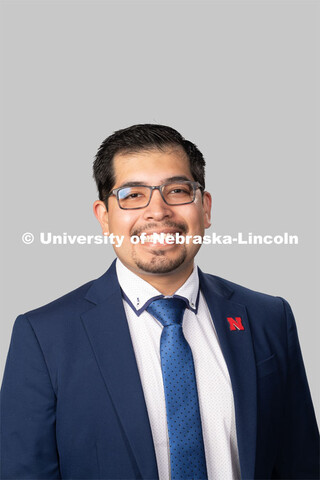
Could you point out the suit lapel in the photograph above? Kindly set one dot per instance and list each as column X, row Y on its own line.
column 237, row 348
column 109, row 335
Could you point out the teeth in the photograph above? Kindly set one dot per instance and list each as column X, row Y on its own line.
column 159, row 237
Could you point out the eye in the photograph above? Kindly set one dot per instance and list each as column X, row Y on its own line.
column 133, row 195
column 178, row 190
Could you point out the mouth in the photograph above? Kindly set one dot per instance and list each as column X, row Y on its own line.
column 160, row 238
column 155, row 237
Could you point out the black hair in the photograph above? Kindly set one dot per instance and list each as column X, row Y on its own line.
column 136, row 138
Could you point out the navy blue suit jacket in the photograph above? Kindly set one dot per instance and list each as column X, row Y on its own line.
column 73, row 404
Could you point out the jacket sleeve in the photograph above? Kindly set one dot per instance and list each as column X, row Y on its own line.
column 299, row 454
column 28, row 410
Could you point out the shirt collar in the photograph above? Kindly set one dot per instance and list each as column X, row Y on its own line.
column 139, row 293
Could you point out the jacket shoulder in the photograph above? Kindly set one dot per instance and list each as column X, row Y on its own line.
column 68, row 304
column 244, row 295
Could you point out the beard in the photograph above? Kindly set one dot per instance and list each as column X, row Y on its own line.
column 159, row 263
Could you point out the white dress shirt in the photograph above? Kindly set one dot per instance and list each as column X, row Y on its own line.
column 212, row 376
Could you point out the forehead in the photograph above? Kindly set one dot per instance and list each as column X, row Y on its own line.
column 149, row 166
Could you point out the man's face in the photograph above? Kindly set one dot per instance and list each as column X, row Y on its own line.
column 154, row 167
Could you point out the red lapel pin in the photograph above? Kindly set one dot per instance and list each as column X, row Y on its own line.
column 235, row 323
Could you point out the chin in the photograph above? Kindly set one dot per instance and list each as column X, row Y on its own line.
column 160, row 263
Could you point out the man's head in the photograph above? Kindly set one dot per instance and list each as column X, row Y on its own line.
column 137, row 138
column 151, row 155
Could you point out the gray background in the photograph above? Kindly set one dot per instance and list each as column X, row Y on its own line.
column 237, row 78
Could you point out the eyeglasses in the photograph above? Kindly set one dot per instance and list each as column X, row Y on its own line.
column 181, row 192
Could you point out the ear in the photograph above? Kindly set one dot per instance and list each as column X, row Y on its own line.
column 207, row 203
column 101, row 213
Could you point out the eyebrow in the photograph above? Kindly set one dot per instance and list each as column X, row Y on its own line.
column 177, row 178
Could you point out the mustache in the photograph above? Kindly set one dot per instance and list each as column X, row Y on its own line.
column 182, row 227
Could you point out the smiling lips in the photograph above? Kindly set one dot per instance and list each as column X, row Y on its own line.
column 159, row 238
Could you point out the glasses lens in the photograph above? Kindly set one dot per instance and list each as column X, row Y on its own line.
column 177, row 193
column 133, row 197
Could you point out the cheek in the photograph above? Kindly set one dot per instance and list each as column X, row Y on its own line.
column 195, row 219
column 122, row 222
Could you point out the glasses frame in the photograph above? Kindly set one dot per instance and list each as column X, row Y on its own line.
column 195, row 186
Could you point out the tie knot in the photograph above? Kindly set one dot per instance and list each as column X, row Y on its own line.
column 169, row 311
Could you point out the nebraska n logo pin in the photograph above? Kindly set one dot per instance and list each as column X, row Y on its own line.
column 235, row 323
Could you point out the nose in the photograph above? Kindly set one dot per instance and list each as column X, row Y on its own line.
column 157, row 208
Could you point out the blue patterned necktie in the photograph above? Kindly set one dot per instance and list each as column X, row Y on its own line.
column 187, row 457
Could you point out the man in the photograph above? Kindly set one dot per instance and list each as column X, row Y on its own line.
column 156, row 370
